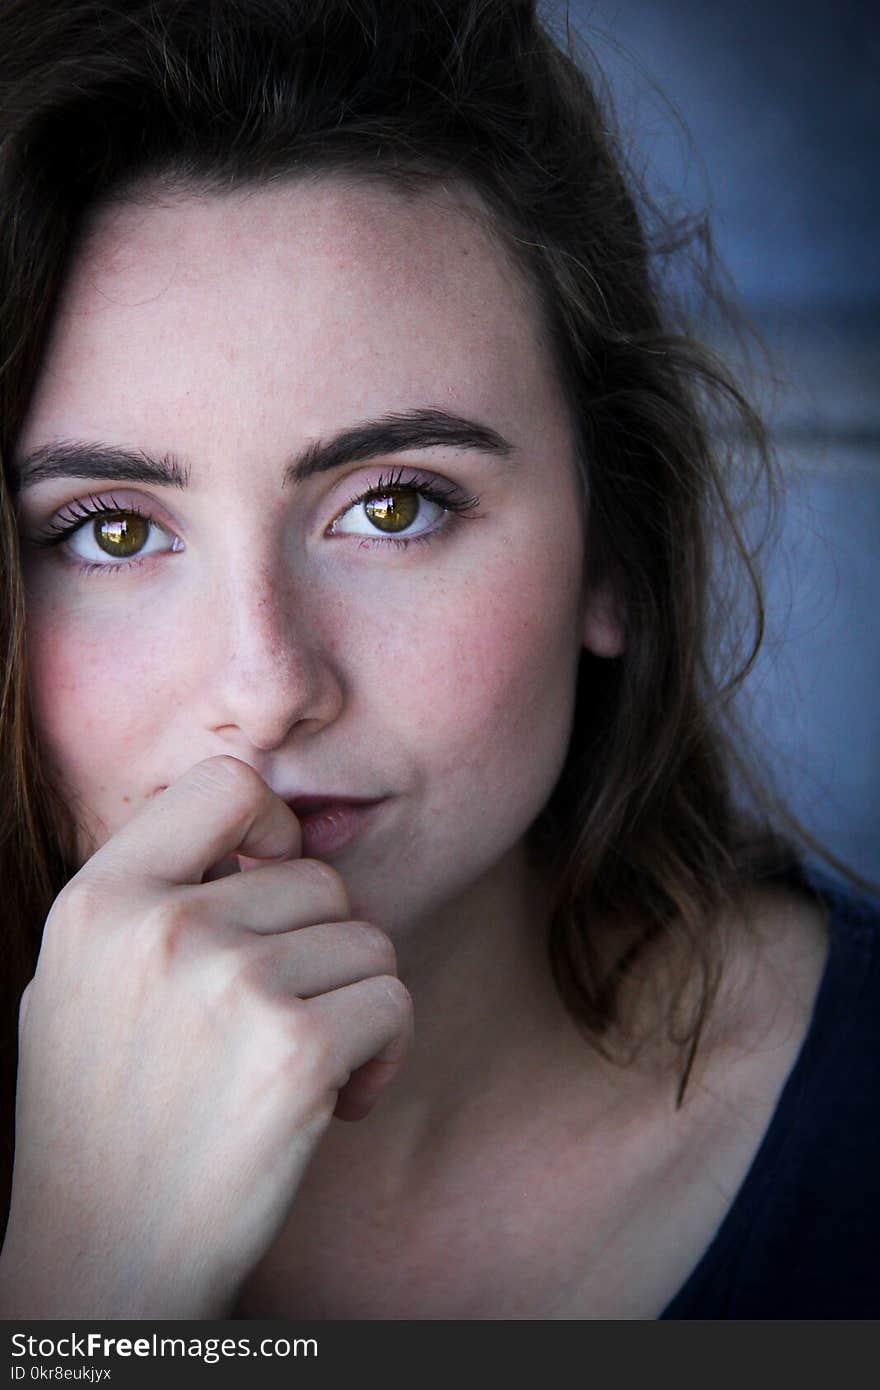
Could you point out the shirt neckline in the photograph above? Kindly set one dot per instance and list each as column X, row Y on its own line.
column 844, row 912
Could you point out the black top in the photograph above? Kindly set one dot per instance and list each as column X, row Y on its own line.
column 802, row 1236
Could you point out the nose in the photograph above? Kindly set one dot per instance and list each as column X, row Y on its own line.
column 273, row 672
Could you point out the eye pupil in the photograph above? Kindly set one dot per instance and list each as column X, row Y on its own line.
column 121, row 535
column 393, row 510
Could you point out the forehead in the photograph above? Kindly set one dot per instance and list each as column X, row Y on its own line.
column 336, row 296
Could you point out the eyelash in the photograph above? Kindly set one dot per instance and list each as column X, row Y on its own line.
column 454, row 503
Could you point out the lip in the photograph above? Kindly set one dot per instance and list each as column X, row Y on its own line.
column 330, row 822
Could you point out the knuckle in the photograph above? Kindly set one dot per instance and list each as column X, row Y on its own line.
column 329, row 886
column 231, row 986
column 292, row 1065
column 378, row 944
column 167, row 928
column 307, row 1052
column 83, row 903
column 80, row 901
column 398, row 994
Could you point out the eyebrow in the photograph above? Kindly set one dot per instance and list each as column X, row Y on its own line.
column 390, row 434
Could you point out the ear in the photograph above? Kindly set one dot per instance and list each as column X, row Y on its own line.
column 602, row 632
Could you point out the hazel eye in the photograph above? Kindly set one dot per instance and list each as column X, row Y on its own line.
column 394, row 511
column 119, row 536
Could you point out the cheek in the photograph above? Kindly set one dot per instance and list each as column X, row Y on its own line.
column 485, row 688
column 95, row 697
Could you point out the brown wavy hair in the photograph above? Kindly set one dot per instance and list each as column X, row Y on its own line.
column 658, row 819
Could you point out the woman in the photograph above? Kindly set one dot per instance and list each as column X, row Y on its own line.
column 359, row 497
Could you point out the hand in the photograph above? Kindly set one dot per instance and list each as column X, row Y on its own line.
column 183, row 1046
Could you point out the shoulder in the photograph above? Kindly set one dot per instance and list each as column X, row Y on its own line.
column 777, row 950
column 801, row 988
column 799, row 1054
column 777, row 947
column 807, row 961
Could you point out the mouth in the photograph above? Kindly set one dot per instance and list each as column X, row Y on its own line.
column 329, row 823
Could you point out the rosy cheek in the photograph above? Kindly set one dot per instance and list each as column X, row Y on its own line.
column 84, row 687
column 492, row 671
column 89, row 708
column 58, row 687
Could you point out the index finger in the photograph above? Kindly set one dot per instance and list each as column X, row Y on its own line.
column 219, row 807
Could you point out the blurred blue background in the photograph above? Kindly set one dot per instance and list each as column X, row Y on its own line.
column 778, row 139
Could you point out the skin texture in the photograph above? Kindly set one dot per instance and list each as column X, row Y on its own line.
column 232, row 332
column 508, row 1170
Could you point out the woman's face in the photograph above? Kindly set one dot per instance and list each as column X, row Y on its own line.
column 389, row 649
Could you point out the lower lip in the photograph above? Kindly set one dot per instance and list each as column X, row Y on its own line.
column 332, row 828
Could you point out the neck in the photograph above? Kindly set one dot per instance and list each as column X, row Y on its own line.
column 499, row 1087
column 490, row 1028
